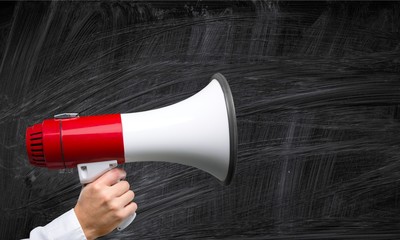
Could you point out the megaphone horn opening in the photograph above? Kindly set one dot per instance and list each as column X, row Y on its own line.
column 233, row 134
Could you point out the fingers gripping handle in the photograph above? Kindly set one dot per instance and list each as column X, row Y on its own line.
column 88, row 172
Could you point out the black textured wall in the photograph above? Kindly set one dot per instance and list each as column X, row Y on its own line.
column 317, row 93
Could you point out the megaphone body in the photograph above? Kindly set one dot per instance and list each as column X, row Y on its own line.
column 200, row 132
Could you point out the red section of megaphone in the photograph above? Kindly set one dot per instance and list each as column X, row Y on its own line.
column 64, row 143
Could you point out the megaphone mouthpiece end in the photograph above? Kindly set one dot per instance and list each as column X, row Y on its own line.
column 34, row 145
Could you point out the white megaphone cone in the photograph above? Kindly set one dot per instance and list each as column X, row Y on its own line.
column 200, row 132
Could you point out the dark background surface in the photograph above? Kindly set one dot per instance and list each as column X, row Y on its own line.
column 317, row 93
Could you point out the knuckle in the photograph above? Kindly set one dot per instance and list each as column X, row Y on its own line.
column 134, row 206
column 96, row 187
column 125, row 184
column 113, row 206
column 120, row 215
column 122, row 171
column 114, row 174
column 119, row 172
column 131, row 194
column 106, row 198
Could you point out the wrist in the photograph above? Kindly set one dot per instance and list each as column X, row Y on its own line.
column 89, row 232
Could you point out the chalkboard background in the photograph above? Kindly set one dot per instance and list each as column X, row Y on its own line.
column 317, row 93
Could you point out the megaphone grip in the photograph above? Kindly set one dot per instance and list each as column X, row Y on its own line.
column 126, row 222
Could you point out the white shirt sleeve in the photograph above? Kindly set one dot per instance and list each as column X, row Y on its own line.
column 65, row 227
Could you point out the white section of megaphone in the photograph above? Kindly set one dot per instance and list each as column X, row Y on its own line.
column 193, row 132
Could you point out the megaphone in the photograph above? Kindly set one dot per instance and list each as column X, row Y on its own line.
column 200, row 131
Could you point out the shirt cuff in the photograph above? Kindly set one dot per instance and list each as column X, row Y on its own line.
column 65, row 227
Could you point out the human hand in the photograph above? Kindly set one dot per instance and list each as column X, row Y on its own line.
column 104, row 204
